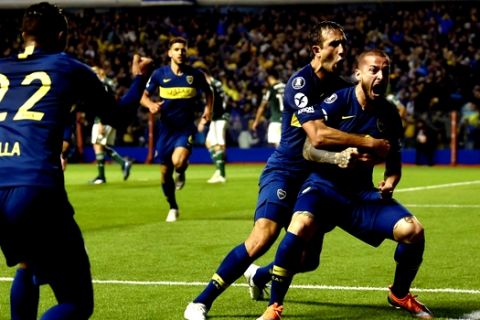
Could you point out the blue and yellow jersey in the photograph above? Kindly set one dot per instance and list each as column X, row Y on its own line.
column 304, row 92
column 180, row 93
column 342, row 111
column 37, row 92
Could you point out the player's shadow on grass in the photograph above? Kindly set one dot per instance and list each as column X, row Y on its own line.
column 338, row 311
column 346, row 310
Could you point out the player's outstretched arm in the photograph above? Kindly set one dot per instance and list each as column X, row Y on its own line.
column 141, row 65
column 323, row 137
column 343, row 159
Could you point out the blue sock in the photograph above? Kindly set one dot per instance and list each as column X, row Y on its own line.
column 23, row 296
column 409, row 258
column 263, row 275
column 231, row 268
column 168, row 188
column 287, row 260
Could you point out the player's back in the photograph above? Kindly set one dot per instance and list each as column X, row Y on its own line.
column 37, row 91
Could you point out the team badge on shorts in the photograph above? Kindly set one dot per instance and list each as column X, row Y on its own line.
column 281, row 194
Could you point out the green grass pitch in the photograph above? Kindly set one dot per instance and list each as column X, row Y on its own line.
column 145, row 268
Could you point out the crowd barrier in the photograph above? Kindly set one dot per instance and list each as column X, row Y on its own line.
column 260, row 155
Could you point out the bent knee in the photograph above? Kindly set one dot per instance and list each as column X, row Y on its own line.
column 303, row 224
column 408, row 230
column 263, row 235
column 309, row 263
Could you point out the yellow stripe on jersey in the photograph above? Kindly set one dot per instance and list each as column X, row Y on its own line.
column 280, row 272
column 294, row 122
column 219, row 282
column 177, row 92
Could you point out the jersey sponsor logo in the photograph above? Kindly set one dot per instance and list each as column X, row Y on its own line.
column 347, row 117
column 189, row 79
column 167, row 80
column 301, row 100
column 298, row 83
column 281, row 194
column 306, row 110
column 177, row 92
column 331, row 99
column 7, row 150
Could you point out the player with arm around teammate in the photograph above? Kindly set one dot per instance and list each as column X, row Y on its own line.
column 347, row 198
column 38, row 232
column 179, row 87
column 286, row 168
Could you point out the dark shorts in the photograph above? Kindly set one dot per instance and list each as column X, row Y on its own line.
column 277, row 195
column 37, row 227
column 169, row 140
column 364, row 215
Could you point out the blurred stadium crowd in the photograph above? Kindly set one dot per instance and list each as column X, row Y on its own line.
column 435, row 50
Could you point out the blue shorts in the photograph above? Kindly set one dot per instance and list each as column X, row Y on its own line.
column 169, row 140
column 277, row 195
column 37, row 227
column 365, row 215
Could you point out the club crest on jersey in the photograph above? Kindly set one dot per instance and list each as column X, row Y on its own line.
column 301, row 100
column 298, row 83
column 190, row 79
column 281, row 194
column 331, row 99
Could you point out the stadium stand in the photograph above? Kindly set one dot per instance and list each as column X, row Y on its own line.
column 435, row 48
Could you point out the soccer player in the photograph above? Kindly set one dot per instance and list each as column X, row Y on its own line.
column 215, row 141
column 103, row 139
column 179, row 87
column 286, row 168
column 273, row 101
column 38, row 232
column 347, row 198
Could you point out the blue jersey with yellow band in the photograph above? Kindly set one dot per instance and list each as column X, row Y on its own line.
column 180, row 94
column 37, row 92
column 303, row 94
column 342, row 111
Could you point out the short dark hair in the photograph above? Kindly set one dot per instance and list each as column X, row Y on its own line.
column 272, row 72
column 44, row 20
column 177, row 40
column 316, row 34
column 371, row 52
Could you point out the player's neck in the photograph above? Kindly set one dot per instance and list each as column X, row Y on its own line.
column 176, row 69
column 361, row 98
column 319, row 70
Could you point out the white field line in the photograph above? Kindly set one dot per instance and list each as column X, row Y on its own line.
column 311, row 287
column 475, row 315
column 438, row 186
column 451, row 206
